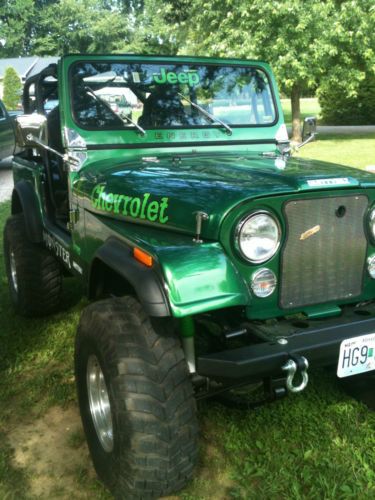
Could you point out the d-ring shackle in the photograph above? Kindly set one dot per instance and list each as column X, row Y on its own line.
column 291, row 368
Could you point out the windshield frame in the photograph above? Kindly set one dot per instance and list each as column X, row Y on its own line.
column 182, row 61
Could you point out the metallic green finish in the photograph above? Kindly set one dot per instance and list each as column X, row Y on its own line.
column 201, row 278
column 168, row 136
column 319, row 312
column 198, row 277
column 198, row 182
column 224, row 179
column 269, row 307
column 187, row 328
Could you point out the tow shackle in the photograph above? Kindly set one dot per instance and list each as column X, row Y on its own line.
column 291, row 367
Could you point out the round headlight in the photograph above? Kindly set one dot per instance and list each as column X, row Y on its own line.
column 372, row 222
column 263, row 282
column 258, row 237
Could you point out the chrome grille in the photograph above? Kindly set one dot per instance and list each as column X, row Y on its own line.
column 325, row 250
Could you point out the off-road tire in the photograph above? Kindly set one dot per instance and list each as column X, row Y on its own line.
column 151, row 400
column 35, row 289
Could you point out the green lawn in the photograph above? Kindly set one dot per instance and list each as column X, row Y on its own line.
column 319, row 444
column 354, row 150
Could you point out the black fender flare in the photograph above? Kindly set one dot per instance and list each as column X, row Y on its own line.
column 25, row 200
column 147, row 282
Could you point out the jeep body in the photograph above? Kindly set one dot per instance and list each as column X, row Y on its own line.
column 192, row 204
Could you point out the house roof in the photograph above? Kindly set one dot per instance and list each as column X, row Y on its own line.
column 26, row 66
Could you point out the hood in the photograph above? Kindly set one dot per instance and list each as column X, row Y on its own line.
column 168, row 191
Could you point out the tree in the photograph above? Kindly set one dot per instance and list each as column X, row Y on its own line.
column 154, row 31
column 347, row 88
column 301, row 39
column 12, row 88
column 81, row 26
column 15, row 27
column 288, row 34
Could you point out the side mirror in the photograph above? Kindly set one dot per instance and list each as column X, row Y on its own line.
column 31, row 132
column 309, row 128
column 28, row 126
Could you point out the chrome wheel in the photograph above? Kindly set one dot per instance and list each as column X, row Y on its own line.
column 13, row 271
column 100, row 407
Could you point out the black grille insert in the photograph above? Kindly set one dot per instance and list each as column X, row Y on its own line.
column 325, row 250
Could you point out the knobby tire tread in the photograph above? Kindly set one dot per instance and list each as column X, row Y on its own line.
column 154, row 399
column 39, row 273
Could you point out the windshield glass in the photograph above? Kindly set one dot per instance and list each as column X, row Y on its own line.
column 169, row 95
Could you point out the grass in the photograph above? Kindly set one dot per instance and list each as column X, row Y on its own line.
column 353, row 150
column 320, row 444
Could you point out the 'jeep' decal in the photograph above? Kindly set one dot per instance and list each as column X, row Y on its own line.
column 131, row 206
column 190, row 77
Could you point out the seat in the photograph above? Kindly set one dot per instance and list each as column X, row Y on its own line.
column 163, row 108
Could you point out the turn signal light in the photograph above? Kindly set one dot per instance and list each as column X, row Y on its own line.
column 143, row 257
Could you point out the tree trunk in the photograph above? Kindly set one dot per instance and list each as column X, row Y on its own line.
column 296, row 113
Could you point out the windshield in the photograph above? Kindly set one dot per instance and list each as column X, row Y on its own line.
column 169, row 95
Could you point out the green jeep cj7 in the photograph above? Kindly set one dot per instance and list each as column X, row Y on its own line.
column 214, row 259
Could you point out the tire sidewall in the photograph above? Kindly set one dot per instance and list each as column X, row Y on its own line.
column 8, row 249
column 105, row 462
column 152, row 404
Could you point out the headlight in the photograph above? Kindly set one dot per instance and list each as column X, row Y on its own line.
column 258, row 237
column 372, row 222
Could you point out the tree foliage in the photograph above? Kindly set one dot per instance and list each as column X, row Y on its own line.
column 16, row 27
column 287, row 33
column 12, row 88
column 309, row 43
column 81, row 26
column 341, row 107
column 347, row 88
column 306, row 41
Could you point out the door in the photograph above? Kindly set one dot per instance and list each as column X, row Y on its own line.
column 6, row 134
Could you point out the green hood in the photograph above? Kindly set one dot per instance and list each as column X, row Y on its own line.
column 178, row 187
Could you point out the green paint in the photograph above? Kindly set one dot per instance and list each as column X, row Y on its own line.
column 187, row 328
column 190, row 77
column 132, row 206
column 225, row 176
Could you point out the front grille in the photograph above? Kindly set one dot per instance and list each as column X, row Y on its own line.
column 325, row 250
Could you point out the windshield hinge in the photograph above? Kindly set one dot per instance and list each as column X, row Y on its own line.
column 73, row 218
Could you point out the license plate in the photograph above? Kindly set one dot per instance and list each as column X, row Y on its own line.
column 357, row 355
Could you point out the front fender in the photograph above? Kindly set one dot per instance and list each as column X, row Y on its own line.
column 145, row 281
column 200, row 278
column 25, row 200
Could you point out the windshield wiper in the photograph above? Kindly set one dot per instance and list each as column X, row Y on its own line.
column 208, row 115
column 142, row 130
column 103, row 101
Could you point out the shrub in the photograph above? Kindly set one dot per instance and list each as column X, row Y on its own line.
column 12, row 88
column 338, row 107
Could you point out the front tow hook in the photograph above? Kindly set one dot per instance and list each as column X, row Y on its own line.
column 301, row 365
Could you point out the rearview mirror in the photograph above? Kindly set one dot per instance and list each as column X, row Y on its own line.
column 28, row 126
column 309, row 127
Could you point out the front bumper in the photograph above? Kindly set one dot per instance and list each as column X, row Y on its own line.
column 319, row 344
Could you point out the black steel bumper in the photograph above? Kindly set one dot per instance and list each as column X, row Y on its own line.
column 319, row 345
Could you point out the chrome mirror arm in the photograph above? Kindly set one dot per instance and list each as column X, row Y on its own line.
column 66, row 157
column 292, row 149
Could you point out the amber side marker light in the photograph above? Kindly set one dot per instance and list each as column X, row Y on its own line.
column 143, row 257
